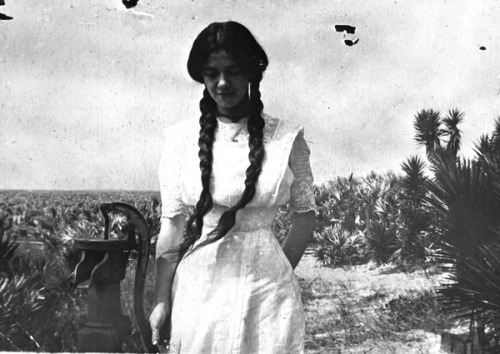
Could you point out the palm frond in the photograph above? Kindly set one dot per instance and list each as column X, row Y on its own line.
column 484, row 146
column 463, row 202
column 381, row 241
column 496, row 133
column 338, row 247
column 427, row 124
column 414, row 182
column 451, row 130
column 475, row 287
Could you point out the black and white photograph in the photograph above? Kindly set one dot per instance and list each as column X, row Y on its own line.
column 250, row 177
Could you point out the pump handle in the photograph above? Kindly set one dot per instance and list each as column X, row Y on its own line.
column 137, row 226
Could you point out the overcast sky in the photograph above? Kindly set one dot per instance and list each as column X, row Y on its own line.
column 86, row 87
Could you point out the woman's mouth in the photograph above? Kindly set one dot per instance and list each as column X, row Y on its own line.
column 225, row 94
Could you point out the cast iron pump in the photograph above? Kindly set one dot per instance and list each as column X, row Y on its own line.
column 101, row 268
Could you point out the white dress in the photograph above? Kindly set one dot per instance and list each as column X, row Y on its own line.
column 239, row 294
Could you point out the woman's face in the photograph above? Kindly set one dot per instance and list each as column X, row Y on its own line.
column 227, row 84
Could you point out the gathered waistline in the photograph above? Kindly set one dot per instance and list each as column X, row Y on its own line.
column 247, row 219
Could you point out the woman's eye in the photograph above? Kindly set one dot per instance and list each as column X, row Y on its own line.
column 235, row 71
column 209, row 73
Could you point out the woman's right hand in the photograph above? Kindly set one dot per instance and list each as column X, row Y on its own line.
column 160, row 313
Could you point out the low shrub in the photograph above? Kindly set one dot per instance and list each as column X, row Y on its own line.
column 338, row 247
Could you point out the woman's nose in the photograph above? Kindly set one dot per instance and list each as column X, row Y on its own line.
column 223, row 81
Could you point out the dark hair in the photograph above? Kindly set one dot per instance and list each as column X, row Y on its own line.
column 243, row 48
column 236, row 40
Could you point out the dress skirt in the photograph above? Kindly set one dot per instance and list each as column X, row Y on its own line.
column 239, row 294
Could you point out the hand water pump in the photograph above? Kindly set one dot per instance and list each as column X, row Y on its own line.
column 101, row 268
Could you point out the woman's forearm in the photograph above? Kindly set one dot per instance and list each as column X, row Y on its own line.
column 299, row 235
column 164, row 277
column 167, row 257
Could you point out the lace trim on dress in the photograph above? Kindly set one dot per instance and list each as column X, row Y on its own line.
column 270, row 129
column 302, row 189
column 171, row 211
column 231, row 131
column 283, row 136
column 238, row 131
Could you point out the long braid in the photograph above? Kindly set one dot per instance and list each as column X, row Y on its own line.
column 208, row 124
column 255, row 126
column 240, row 44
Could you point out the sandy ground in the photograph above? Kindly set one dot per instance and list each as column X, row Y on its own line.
column 365, row 281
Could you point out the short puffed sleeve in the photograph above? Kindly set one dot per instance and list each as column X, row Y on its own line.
column 301, row 190
column 169, row 175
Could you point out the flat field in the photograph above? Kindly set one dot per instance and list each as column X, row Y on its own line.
column 360, row 309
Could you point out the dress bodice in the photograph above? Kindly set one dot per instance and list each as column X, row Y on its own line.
column 179, row 169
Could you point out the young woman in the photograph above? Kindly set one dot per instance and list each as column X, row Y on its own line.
column 234, row 285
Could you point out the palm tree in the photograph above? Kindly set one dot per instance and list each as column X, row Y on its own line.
column 488, row 149
column 451, row 130
column 375, row 189
column 464, row 199
column 466, row 203
column 414, row 220
column 428, row 126
column 484, row 146
column 414, row 182
column 496, row 132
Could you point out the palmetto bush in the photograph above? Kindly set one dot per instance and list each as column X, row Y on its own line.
column 464, row 197
column 467, row 204
column 338, row 202
column 415, row 232
column 21, row 296
column 39, row 307
column 381, row 200
column 381, row 241
column 386, row 209
column 390, row 211
column 281, row 223
column 338, row 247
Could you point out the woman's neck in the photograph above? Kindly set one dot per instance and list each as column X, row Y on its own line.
column 236, row 113
column 232, row 118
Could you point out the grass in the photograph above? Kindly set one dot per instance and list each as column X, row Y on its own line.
column 361, row 309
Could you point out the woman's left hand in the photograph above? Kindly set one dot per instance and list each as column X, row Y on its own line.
column 299, row 236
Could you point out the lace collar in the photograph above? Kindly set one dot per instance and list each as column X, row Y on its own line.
column 237, row 131
column 232, row 131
